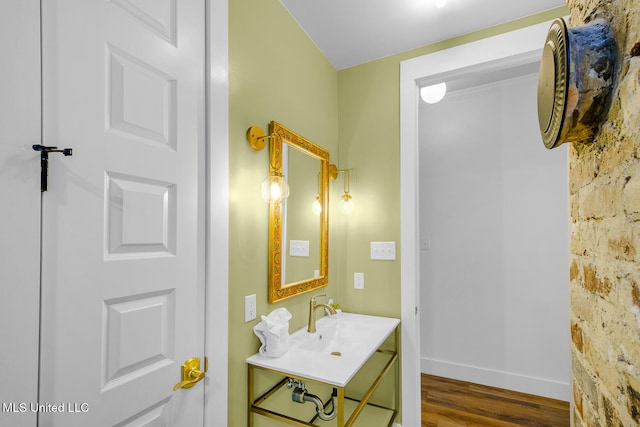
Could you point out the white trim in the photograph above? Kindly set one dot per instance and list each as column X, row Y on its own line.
column 409, row 271
column 494, row 378
column 414, row 73
column 217, row 217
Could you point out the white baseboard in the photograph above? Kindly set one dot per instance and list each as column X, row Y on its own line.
column 507, row 380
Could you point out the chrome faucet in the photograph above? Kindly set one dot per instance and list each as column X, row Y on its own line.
column 313, row 306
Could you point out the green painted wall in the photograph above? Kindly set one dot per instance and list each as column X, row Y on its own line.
column 277, row 73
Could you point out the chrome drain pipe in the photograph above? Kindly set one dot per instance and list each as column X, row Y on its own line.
column 300, row 395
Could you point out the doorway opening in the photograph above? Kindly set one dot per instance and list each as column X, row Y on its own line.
column 504, row 51
column 494, row 256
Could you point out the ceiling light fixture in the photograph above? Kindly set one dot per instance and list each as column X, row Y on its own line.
column 440, row 3
column 433, row 93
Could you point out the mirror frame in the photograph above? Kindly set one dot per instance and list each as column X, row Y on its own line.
column 277, row 291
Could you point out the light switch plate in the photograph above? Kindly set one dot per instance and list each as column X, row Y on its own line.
column 299, row 248
column 249, row 307
column 358, row 280
column 425, row 244
column 383, row 250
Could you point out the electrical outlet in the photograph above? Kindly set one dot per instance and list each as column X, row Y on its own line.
column 358, row 280
column 249, row 307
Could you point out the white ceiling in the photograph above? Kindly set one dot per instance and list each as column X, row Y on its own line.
column 352, row 32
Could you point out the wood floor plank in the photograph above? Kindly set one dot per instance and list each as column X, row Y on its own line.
column 452, row 403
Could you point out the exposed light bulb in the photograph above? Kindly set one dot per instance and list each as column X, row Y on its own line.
column 434, row 93
column 316, row 207
column 346, row 203
column 274, row 189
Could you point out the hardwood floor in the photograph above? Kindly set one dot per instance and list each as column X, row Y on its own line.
column 451, row 403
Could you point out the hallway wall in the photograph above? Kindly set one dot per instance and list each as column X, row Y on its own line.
column 494, row 217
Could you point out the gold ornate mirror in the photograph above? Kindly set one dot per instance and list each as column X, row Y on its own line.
column 298, row 236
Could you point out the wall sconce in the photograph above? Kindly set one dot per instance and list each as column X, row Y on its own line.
column 274, row 188
column 346, row 201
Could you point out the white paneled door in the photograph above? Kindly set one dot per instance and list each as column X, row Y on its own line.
column 20, row 209
column 122, row 220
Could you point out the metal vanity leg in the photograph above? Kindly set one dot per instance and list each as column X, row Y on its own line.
column 397, row 349
column 249, row 411
column 340, row 416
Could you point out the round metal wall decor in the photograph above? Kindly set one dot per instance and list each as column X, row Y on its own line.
column 553, row 84
column 575, row 82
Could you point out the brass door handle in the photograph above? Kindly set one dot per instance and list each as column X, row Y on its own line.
column 191, row 374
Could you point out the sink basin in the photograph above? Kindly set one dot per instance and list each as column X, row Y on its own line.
column 324, row 339
column 335, row 352
column 336, row 335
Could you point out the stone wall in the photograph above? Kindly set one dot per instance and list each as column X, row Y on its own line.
column 604, row 189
